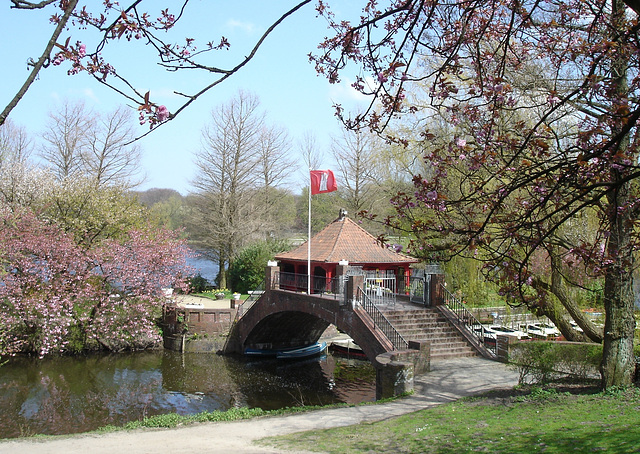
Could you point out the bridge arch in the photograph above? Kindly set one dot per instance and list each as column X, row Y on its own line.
column 281, row 319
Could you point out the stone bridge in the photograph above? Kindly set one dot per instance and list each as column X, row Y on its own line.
column 282, row 319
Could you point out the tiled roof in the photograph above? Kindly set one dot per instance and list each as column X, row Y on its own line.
column 343, row 239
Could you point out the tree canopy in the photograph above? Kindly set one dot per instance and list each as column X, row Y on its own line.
column 541, row 99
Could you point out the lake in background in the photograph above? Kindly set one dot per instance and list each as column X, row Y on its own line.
column 204, row 266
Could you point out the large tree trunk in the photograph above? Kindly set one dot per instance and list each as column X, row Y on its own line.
column 618, row 362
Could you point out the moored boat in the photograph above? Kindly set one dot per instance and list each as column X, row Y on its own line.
column 289, row 353
column 302, row 352
column 347, row 347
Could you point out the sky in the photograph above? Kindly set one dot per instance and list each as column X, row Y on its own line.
column 290, row 92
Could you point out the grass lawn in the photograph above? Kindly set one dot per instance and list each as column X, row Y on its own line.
column 539, row 420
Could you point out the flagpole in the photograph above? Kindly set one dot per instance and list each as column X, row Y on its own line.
column 309, row 241
column 320, row 181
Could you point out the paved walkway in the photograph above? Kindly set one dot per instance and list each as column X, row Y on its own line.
column 207, row 303
column 449, row 380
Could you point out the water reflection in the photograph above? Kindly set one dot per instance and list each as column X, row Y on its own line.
column 70, row 395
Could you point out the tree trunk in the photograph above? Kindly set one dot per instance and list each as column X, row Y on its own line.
column 222, row 273
column 618, row 362
column 589, row 331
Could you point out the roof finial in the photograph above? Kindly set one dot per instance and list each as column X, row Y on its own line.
column 342, row 214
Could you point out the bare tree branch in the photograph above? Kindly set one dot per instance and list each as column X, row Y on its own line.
column 37, row 66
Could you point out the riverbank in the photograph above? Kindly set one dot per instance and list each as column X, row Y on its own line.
column 448, row 380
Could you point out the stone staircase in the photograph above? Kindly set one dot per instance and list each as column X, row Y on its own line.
column 428, row 324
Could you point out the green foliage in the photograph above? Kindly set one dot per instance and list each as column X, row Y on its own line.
column 540, row 362
column 471, row 284
column 93, row 214
column 325, row 208
column 246, row 271
column 198, row 284
column 169, row 213
column 174, row 420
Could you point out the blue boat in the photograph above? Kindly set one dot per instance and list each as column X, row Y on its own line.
column 289, row 353
column 260, row 352
column 302, row 352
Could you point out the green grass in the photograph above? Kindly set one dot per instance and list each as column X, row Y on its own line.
column 171, row 420
column 543, row 421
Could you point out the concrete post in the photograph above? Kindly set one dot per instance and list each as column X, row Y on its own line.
column 393, row 377
column 503, row 347
column 421, row 359
column 353, row 285
column 437, row 292
column 272, row 277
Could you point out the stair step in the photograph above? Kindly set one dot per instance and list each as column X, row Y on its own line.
column 431, row 326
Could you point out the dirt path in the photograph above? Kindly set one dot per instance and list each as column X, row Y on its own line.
column 449, row 380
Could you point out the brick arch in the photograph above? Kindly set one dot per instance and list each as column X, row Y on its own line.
column 285, row 329
column 281, row 319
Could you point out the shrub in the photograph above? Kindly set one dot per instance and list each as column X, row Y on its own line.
column 540, row 362
column 198, row 284
column 246, row 271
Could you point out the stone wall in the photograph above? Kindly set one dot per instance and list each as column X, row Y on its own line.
column 196, row 329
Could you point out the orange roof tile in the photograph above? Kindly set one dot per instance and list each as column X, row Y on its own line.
column 343, row 239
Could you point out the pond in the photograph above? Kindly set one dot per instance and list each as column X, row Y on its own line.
column 77, row 394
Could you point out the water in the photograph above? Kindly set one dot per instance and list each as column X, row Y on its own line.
column 204, row 266
column 77, row 394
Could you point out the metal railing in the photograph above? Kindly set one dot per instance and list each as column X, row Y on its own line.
column 334, row 286
column 382, row 323
column 381, row 290
column 467, row 319
column 247, row 304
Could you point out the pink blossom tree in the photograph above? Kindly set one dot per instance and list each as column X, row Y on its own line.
column 56, row 296
column 541, row 105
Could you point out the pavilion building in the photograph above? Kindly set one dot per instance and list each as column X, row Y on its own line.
column 342, row 243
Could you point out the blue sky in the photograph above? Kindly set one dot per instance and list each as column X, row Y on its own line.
column 290, row 91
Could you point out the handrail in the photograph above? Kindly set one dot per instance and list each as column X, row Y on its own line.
column 379, row 320
column 333, row 287
column 243, row 309
column 466, row 318
column 249, row 302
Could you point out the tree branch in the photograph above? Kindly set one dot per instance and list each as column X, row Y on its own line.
column 42, row 60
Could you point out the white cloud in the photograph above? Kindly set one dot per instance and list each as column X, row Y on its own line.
column 343, row 93
column 89, row 93
column 247, row 27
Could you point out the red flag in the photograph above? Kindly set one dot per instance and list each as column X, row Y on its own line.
column 322, row 181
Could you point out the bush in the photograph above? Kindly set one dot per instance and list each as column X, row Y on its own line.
column 198, row 284
column 246, row 271
column 541, row 362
